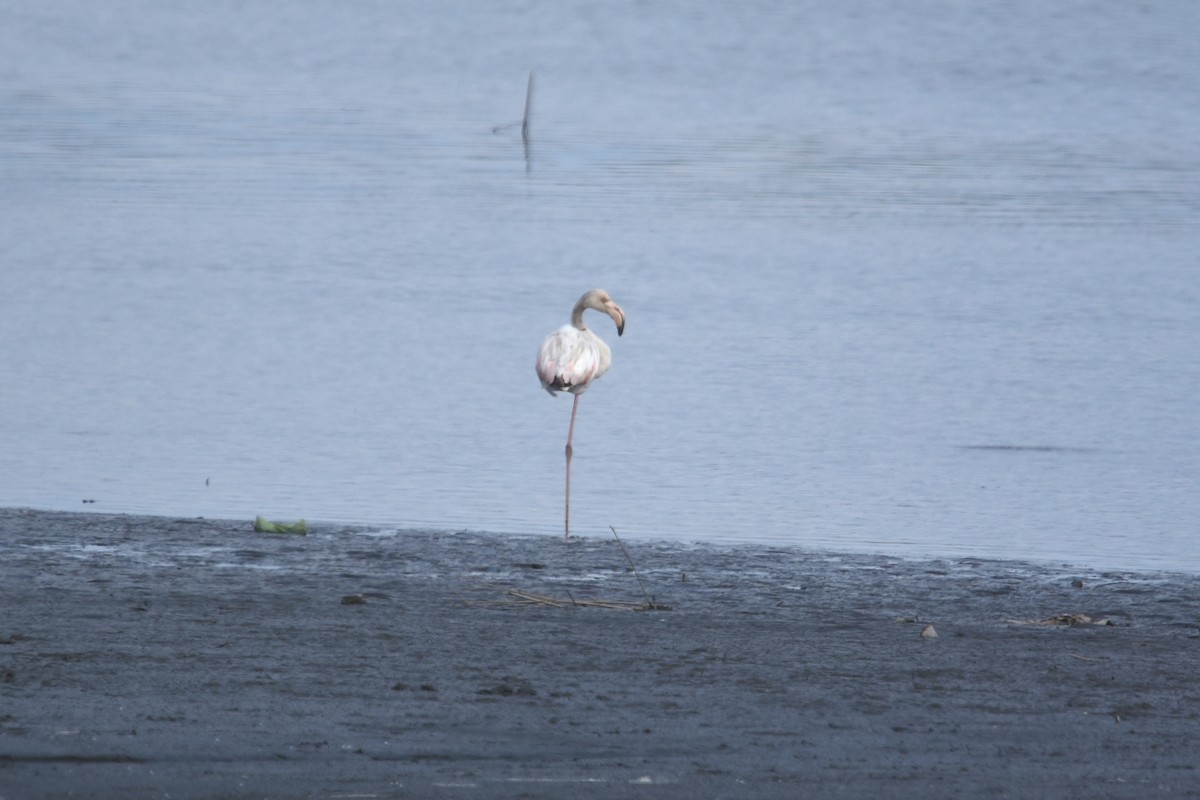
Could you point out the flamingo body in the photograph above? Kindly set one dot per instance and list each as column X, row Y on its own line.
column 572, row 357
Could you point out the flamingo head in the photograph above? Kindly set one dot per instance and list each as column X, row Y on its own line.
column 599, row 300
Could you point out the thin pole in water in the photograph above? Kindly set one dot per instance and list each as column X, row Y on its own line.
column 528, row 109
column 525, row 124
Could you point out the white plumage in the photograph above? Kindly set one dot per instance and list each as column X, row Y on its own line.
column 570, row 359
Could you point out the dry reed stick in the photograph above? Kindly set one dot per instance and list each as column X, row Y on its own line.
column 528, row 109
column 632, row 566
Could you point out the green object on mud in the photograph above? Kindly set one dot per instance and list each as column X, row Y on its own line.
column 266, row 526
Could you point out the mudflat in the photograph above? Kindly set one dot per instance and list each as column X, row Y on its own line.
column 193, row 658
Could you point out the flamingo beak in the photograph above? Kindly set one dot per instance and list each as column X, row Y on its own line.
column 617, row 315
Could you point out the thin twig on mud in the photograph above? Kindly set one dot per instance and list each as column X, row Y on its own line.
column 632, row 566
column 522, row 597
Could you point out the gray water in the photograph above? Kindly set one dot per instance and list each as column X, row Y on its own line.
column 913, row 278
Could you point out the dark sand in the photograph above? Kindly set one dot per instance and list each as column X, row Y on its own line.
column 148, row 657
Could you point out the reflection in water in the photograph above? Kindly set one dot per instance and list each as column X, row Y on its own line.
column 1027, row 448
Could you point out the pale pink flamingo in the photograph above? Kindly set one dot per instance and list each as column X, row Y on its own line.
column 572, row 357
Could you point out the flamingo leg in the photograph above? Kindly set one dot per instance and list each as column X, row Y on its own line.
column 570, row 435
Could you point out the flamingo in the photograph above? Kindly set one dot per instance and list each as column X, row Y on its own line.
column 571, row 358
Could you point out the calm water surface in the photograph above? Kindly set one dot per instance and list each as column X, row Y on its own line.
column 920, row 279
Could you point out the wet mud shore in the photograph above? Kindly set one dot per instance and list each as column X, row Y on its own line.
column 191, row 658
